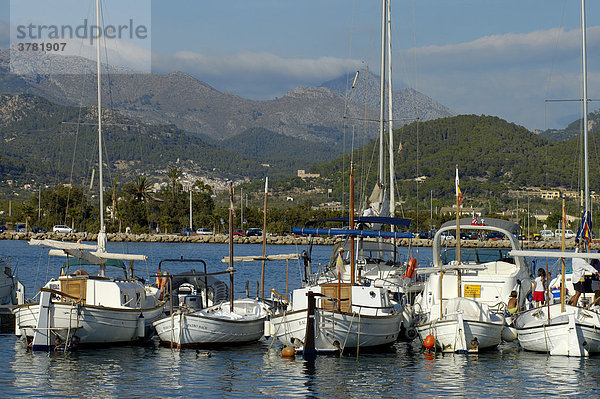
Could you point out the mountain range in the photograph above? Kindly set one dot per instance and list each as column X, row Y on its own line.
column 315, row 114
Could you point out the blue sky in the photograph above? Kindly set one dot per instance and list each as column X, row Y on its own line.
column 493, row 57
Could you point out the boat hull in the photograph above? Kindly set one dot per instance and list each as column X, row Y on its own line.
column 574, row 332
column 447, row 334
column 349, row 330
column 210, row 327
column 92, row 325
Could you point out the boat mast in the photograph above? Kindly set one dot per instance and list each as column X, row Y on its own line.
column 390, row 116
column 102, row 233
column 382, row 89
column 585, row 111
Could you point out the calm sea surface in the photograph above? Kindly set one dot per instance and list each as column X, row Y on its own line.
column 257, row 370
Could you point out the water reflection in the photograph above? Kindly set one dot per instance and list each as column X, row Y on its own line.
column 258, row 370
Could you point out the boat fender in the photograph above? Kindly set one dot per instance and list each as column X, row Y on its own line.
column 429, row 342
column 288, row 351
column 410, row 269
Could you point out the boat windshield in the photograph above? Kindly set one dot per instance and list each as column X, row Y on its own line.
column 378, row 251
column 477, row 255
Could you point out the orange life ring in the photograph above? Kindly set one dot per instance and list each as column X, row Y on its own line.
column 410, row 269
column 80, row 272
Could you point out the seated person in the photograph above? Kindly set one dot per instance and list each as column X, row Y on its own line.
column 513, row 304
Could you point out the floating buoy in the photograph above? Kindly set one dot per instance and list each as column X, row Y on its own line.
column 429, row 342
column 288, row 351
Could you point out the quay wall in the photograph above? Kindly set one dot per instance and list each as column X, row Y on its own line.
column 273, row 240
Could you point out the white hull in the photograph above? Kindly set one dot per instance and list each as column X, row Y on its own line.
column 93, row 325
column 349, row 329
column 451, row 337
column 463, row 321
column 214, row 325
column 575, row 332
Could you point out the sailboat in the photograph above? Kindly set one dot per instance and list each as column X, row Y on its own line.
column 348, row 305
column 463, row 303
column 560, row 328
column 83, row 309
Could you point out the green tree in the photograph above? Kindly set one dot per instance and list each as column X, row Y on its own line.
column 174, row 174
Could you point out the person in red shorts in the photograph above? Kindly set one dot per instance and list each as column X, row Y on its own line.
column 539, row 288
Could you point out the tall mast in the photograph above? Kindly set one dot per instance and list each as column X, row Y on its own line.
column 102, row 233
column 382, row 88
column 585, row 111
column 390, row 116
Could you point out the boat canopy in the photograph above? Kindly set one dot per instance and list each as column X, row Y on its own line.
column 344, row 232
column 367, row 219
column 74, row 262
column 509, row 226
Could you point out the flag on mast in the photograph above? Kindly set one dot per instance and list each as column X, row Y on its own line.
column 458, row 192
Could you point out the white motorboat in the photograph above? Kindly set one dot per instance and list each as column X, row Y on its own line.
column 228, row 322
column 463, row 305
column 82, row 309
column 217, row 324
column 548, row 329
column 558, row 328
column 345, row 317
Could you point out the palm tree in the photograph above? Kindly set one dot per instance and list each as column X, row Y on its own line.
column 142, row 188
column 174, row 175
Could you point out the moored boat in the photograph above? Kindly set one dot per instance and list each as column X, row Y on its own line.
column 463, row 304
column 214, row 325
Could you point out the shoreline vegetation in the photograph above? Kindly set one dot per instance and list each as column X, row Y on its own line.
column 273, row 240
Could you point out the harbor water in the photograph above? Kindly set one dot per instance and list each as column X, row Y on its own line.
column 257, row 370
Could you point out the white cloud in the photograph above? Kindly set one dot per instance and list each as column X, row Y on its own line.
column 510, row 75
column 254, row 74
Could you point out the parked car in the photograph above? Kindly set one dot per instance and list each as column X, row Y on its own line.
column 3, row 229
column 254, row 232
column 203, row 231
column 472, row 235
column 238, row 232
column 446, row 236
column 186, row 231
column 534, row 237
column 20, row 228
column 546, row 234
column 36, row 229
column 62, row 229
column 494, row 236
column 568, row 234
column 423, row 235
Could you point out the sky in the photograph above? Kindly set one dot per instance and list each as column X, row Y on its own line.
column 492, row 57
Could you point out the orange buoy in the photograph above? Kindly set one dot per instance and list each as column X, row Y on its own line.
column 288, row 351
column 410, row 269
column 429, row 342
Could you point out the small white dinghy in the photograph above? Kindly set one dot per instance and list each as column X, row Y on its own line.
column 214, row 325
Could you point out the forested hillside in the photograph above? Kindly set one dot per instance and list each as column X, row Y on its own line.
column 493, row 156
